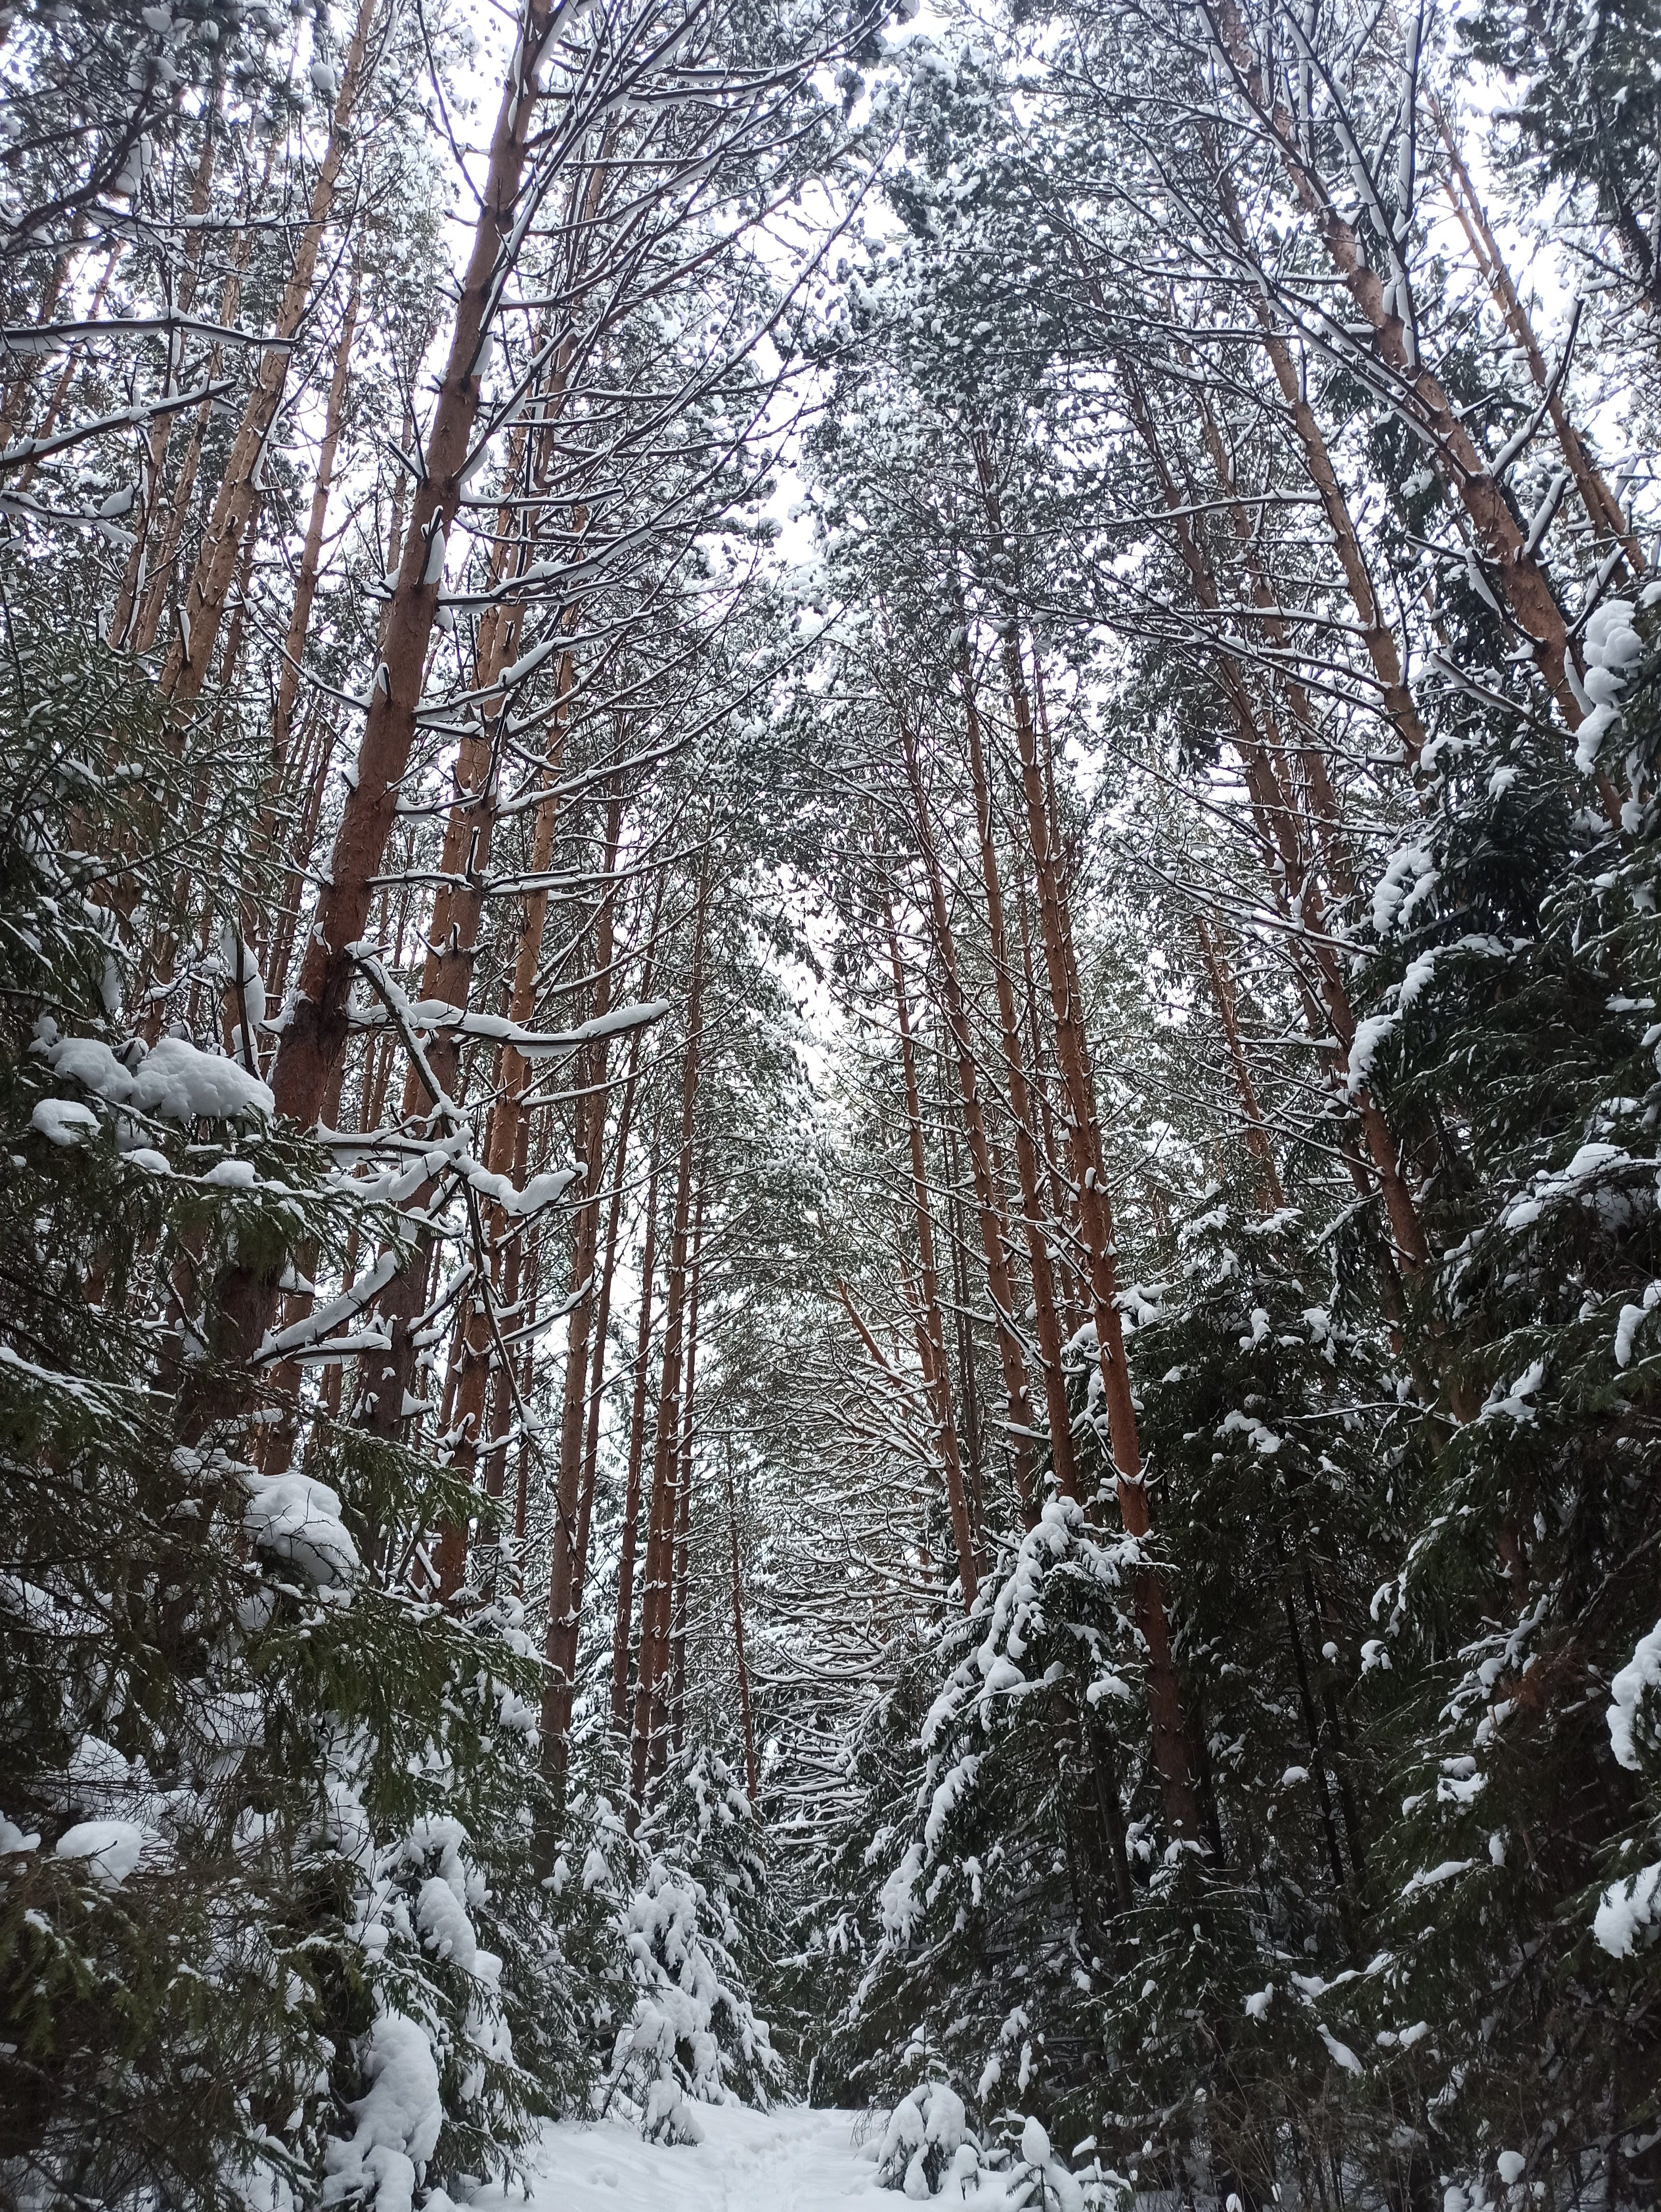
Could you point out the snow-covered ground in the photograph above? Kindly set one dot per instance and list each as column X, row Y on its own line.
column 791, row 2159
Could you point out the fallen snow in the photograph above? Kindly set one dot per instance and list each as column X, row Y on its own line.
column 790, row 2160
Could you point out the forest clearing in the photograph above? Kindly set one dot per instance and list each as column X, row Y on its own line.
column 831, row 1063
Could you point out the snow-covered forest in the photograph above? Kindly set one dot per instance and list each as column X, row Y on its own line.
column 830, row 1211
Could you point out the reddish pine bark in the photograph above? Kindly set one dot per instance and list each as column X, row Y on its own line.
column 994, row 1225
column 625, row 1608
column 1046, row 1324
column 565, row 1586
column 751, row 1772
column 649, row 1743
column 931, row 1335
column 1096, row 1226
column 683, row 1557
column 1602, row 508
column 185, row 668
column 1256, row 1136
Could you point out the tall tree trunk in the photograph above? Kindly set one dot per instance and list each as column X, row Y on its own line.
column 1063, row 1212
column 16, row 398
column 963, row 1329
column 1463, row 469
column 625, row 1611
column 60, row 391
column 565, row 1587
column 185, row 668
column 1376, row 634
column 505, row 1400
column 1047, row 1324
column 1312, row 750
column 751, row 1771
column 1096, row 1227
column 151, row 606
column 311, row 558
column 1281, row 831
column 522, row 1481
column 683, row 1564
column 911, row 1401
column 994, row 1227
column 311, row 778
column 603, row 1311
column 648, row 1748
column 447, row 974
column 318, row 1030
column 1256, row 1136
column 155, row 454
column 936, row 1375
column 1602, row 508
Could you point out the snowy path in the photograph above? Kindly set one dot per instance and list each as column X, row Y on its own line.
column 792, row 2159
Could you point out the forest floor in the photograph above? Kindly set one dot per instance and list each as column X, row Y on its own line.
column 790, row 2160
